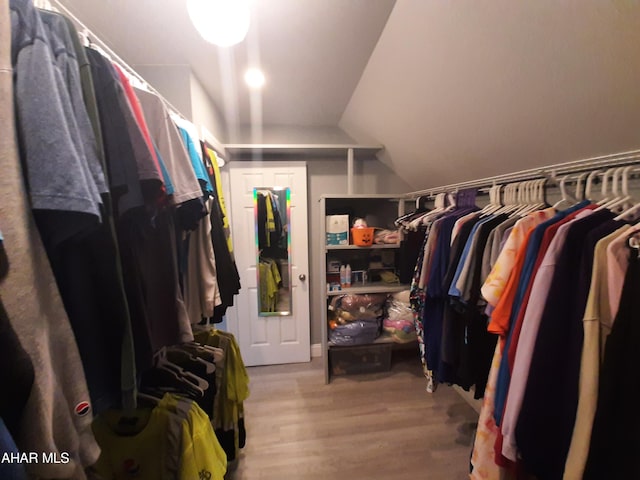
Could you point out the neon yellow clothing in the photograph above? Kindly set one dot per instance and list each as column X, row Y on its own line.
column 269, row 280
column 233, row 386
column 174, row 440
column 201, row 454
column 140, row 456
column 223, row 207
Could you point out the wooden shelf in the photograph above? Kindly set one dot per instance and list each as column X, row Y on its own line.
column 376, row 287
column 382, row 339
column 357, row 247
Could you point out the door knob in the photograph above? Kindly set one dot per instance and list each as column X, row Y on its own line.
column 302, row 277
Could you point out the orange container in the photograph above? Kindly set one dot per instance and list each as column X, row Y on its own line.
column 363, row 237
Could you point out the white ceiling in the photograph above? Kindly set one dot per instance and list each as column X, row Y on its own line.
column 454, row 90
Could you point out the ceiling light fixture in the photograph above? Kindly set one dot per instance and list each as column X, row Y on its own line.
column 254, row 78
column 221, row 22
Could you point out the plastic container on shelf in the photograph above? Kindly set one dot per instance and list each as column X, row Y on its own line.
column 362, row 237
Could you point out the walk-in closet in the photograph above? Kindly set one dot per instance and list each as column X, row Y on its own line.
column 319, row 239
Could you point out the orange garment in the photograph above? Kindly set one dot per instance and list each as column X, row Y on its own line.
column 501, row 315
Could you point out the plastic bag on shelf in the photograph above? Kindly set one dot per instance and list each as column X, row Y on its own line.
column 403, row 296
column 399, row 311
column 344, row 316
column 358, row 302
column 398, row 322
column 354, row 333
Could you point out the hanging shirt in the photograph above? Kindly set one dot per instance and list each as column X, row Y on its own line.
column 597, row 325
column 499, row 276
column 65, row 55
column 195, row 156
column 482, row 455
column 137, row 112
column 201, row 291
column 556, row 356
column 614, row 443
column 167, row 139
column 617, row 263
column 215, row 174
column 58, row 404
column 526, row 328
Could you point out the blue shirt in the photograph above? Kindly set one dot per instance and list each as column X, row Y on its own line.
column 453, row 290
column 196, row 162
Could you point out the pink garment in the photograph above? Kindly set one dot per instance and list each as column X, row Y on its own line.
column 527, row 340
column 617, row 262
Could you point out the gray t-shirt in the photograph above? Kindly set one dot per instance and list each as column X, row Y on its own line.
column 172, row 150
column 58, row 178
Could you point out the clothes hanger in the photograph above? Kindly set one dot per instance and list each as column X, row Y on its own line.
column 566, row 196
column 494, row 200
column 605, row 186
column 633, row 212
column 534, row 197
column 162, row 379
column 185, row 360
column 589, row 185
column 162, row 362
column 580, row 192
column 610, row 198
column 624, row 200
column 440, row 205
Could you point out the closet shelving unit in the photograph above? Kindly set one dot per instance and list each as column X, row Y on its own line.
column 378, row 211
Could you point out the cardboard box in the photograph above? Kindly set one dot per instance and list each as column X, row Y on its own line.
column 337, row 228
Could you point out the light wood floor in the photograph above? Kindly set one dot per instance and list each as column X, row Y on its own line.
column 360, row 427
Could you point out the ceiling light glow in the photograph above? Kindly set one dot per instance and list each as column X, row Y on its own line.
column 221, row 22
column 254, row 78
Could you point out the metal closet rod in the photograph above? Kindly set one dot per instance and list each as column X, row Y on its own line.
column 93, row 38
column 605, row 161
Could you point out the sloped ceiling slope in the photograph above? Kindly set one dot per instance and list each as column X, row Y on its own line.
column 468, row 89
column 312, row 53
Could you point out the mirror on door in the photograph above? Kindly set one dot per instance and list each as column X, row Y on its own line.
column 272, row 207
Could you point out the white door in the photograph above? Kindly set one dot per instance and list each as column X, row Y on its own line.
column 268, row 340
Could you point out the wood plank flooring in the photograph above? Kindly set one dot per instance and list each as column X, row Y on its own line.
column 362, row 427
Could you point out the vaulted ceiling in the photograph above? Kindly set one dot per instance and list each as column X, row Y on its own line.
column 453, row 90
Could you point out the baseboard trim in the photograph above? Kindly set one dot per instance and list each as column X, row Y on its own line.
column 476, row 404
column 316, row 350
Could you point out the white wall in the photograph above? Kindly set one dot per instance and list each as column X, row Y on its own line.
column 292, row 135
column 173, row 83
column 204, row 111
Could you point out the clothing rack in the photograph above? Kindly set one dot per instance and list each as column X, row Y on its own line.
column 550, row 171
column 57, row 5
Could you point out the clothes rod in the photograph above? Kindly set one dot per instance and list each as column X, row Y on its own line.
column 57, row 5
column 605, row 161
